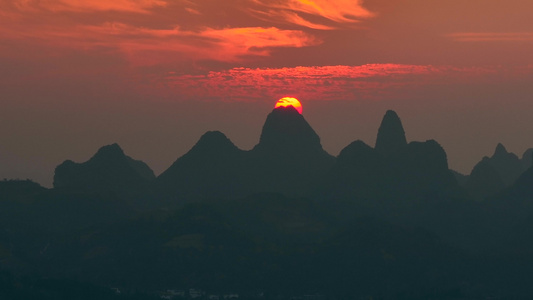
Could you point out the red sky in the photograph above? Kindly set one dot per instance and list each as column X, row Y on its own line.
column 153, row 75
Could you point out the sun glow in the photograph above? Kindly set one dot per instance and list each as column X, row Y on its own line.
column 289, row 101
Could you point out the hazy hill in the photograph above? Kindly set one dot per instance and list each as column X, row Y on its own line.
column 492, row 174
column 212, row 168
column 394, row 168
column 288, row 159
column 108, row 171
column 284, row 220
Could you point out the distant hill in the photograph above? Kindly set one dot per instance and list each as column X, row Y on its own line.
column 288, row 159
column 212, row 168
column 284, row 220
column 492, row 174
column 108, row 171
column 394, row 168
column 16, row 189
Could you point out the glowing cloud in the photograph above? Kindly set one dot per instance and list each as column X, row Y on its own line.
column 145, row 46
column 372, row 81
column 296, row 11
column 137, row 6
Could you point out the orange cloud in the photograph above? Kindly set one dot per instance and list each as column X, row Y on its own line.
column 300, row 11
column 137, row 6
column 146, row 46
column 491, row 36
column 229, row 44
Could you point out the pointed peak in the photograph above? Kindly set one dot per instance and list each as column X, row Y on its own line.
column 391, row 135
column 358, row 144
column 109, row 151
column 355, row 148
column 213, row 137
column 500, row 150
column 213, row 141
column 391, row 114
column 285, row 128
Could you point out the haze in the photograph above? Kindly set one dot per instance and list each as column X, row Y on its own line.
column 154, row 75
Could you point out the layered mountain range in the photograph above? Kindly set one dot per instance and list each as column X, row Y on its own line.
column 289, row 159
column 279, row 221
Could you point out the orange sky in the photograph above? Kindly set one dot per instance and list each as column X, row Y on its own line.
column 106, row 61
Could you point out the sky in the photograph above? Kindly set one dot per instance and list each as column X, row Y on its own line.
column 154, row 75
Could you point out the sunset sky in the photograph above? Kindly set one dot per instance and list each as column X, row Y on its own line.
column 154, row 75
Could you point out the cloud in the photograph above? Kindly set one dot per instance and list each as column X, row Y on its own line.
column 229, row 44
column 146, row 46
column 371, row 81
column 491, row 36
column 300, row 12
column 137, row 6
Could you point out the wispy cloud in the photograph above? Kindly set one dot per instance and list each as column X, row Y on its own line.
column 491, row 36
column 145, row 46
column 315, row 13
column 137, row 6
column 230, row 44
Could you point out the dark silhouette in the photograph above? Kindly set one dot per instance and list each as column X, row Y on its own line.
column 460, row 177
column 393, row 169
column 492, row 175
column 391, row 136
column 507, row 164
column 523, row 187
column 484, row 180
column 527, row 162
column 109, row 170
column 357, row 172
column 11, row 189
column 289, row 159
column 212, row 168
column 284, row 220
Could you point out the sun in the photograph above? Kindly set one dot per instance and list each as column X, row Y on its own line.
column 289, row 101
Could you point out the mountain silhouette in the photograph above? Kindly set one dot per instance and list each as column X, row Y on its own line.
column 492, row 174
column 393, row 169
column 19, row 189
column 109, row 170
column 212, row 168
column 484, row 180
column 523, row 188
column 460, row 177
column 425, row 166
column 289, row 157
column 284, row 220
column 357, row 171
column 527, row 159
column 287, row 132
column 391, row 135
column 507, row 164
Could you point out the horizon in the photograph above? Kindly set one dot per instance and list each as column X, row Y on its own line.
column 157, row 173
column 154, row 75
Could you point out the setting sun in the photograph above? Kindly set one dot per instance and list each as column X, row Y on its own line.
column 289, row 101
